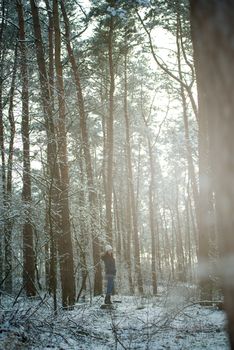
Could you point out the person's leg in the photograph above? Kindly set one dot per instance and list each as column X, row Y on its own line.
column 109, row 289
column 110, row 285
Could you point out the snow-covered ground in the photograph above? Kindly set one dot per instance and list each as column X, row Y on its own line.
column 171, row 320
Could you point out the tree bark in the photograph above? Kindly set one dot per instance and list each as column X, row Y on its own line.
column 213, row 35
column 86, row 147
column 51, row 247
column 2, row 146
column 133, row 216
column 64, row 239
column 51, row 51
column 152, row 218
column 57, row 194
column 153, row 224
column 191, row 170
column 28, row 250
column 52, row 166
column 202, row 202
column 110, row 135
column 8, row 202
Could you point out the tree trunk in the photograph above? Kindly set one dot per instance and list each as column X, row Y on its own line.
column 206, row 222
column 203, row 233
column 118, row 238
column 51, row 51
column 89, row 170
column 133, row 216
column 9, row 224
column 28, row 250
column 212, row 35
column 51, row 252
column 188, row 237
column 110, row 135
column 128, row 240
column 152, row 219
column 2, row 146
column 52, row 166
column 57, row 195
column 191, row 170
column 64, row 239
column 179, row 243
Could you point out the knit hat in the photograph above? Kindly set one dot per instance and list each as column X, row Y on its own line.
column 108, row 248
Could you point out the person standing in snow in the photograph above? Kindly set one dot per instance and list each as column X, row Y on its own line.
column 110, row 272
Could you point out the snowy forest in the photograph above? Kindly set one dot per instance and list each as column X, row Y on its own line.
column 116, row 140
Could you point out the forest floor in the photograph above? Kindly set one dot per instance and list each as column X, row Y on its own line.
column 172, row 320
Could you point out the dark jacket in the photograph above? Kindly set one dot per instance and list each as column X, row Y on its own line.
column 109, row 262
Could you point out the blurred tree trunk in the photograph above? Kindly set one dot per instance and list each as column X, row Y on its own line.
column 213, row 35
column 206, row 224
column 117, row 226
column 188, row 240
column 193, row 223
column 168, row 251
column 28, row 249
column 152, row 217
column 2, row 146
column 128, row 217
column 87, row 155
column 191, row 170
column 128, row 240
column 170, row 247
column 133, row 216
column 110, row 135
column 203, row 234
column 8, row 203
column 179, row 242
